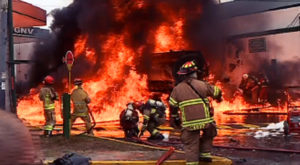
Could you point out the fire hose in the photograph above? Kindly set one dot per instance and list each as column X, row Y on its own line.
column 164, row 157
column 258, row 149
column 229, row 147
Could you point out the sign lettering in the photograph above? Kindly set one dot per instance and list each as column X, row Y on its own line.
column 24, row 31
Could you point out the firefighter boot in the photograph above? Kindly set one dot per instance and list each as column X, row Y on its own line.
column 91, row 132
column 157, row 136
column 205, row 157
column 132, row 133
column 48, row 133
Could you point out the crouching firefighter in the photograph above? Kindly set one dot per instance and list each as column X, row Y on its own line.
column 154, row 115
column 129, row 119
column 191, row 97
column 48, row 96
column 80, row 100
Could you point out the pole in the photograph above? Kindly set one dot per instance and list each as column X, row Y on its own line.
column 70, row 82
column 3, row 57
column 11, row 58
column 69, row 59
column 69, row 66
column 66, row 115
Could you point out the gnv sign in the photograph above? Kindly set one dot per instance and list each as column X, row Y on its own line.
column 24, row 31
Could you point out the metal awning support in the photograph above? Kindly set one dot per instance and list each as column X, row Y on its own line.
column 20, row 62
column 11, row 70
column 4, row 103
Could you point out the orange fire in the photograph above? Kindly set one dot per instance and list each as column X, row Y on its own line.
column 117, row 82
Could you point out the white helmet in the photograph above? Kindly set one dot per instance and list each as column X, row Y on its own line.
column 245, row 76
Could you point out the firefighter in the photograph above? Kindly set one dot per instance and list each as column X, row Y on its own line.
column 48, row 96
column 263, row 83
column 80, row 100
column 129, row 119
column 191, row 97
column 154, row 115
column 250, row 88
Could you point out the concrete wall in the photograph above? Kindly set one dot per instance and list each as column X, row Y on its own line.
column 284, row 47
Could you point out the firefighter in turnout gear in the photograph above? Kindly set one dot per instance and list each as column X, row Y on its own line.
column 154, row 115
column 48, row 96
column 249, row 86
column 129, row 119
column 191, row 97
column 263, row 83
column 80, row 100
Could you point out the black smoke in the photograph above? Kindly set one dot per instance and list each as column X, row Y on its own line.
column 97, row 19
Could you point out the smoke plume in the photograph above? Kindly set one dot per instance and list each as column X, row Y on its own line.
column 97, row 19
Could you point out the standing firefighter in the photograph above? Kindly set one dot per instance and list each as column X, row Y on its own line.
column 249, row 86
column 190, row 96
column 154, row 115
column 129, row 119
column 263, row 83
column 48, row 96
column 80, row 100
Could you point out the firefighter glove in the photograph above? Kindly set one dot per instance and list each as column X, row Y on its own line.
column 143, row 130
column 176, row 122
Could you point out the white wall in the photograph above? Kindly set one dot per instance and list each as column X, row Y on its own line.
column 284, row 47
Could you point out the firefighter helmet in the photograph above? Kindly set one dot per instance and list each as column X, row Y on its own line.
column 187, row 68
column 156, row 96
column 78, row 81
column 245, row 76
column 138, row 104
column 48, row 80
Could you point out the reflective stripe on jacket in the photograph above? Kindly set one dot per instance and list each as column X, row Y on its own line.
column 48, row 105
column 48, row 96
column 48, row 127
column 194, row 110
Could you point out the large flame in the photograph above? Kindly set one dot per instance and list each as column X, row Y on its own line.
column 117, row 82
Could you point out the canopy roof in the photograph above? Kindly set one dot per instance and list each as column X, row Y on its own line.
column 27, row 15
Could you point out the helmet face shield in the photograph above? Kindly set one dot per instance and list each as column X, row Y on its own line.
column 245, row 76
column 138, row 104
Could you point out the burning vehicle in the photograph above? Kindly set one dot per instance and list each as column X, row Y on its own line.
column 162, row 77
